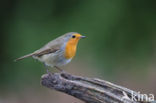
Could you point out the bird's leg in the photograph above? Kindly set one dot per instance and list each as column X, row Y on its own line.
column 46, row 68
column 59, row 69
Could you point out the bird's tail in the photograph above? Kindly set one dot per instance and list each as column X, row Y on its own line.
column 25, row 56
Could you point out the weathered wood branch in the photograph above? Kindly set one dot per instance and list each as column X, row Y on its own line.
column 89, row 90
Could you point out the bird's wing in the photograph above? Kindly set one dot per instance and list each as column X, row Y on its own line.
column 46, row 51
column 50, row 47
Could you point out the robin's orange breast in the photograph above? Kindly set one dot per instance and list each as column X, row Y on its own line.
column 70, row 49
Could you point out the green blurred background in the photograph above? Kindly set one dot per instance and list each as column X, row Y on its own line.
column 120, row 46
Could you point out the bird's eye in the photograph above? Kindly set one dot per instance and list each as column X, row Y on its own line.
column 73, row 36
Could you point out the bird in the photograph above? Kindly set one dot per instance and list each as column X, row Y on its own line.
column 57, row 52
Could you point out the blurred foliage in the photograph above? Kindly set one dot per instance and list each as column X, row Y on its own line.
column 120, row 34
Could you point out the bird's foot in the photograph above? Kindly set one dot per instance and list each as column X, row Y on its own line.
column 48, row 72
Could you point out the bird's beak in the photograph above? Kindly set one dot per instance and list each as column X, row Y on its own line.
column 82, row 36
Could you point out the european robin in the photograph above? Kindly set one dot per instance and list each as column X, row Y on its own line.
column 57, row 52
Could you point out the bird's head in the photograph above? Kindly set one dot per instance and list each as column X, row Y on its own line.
column 73, row 37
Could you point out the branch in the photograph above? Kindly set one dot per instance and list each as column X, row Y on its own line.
column 90, row 90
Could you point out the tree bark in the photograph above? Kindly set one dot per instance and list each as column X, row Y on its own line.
column 89, row 90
